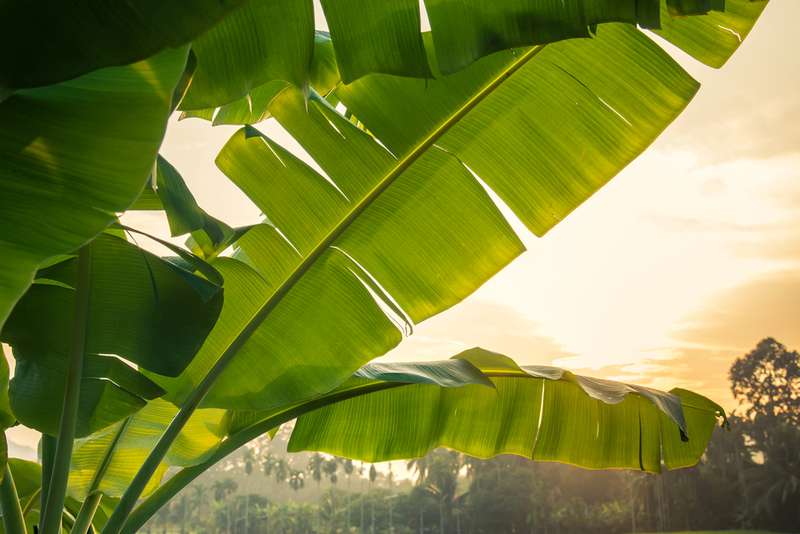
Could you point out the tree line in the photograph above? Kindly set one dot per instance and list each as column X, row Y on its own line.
column 747, row 479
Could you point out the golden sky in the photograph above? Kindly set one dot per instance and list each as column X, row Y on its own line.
column 680, row 264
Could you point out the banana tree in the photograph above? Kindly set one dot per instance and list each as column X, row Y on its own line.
column 397, row 231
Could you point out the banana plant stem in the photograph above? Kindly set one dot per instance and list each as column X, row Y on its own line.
column 86, row 514
column 57, row 491
column 49, row 444
column 148, row 508
column 13, row 521
column 131, row 495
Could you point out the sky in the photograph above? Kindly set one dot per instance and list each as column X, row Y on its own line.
column 682, row 263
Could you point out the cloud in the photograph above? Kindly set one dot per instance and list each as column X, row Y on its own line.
column 737, row 319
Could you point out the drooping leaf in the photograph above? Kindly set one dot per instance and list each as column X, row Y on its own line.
column 478, row 402
column 263, row 41
column 183, row 213
column 161, row 325
column 374, row 37
column 50, row 42
column 71, row 155
column 191, row 263
column 132, row 442
column 543, row 413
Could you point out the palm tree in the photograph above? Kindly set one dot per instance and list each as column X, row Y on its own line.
column 249, row 459
column 391, row 475
column 281, row 474
column 163, row 516
column 221, row 490
column 268, row 466
column 179, row 510
column 348, row 469
column 361, row 499
column 420, row 466
column 331, row 466
column 296, row 481
column 373, row 474
column 316, row 466
column 200, row 498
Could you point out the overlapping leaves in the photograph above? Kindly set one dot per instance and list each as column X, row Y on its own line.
column 74, row 153
column 483, row 404
column 141, row 308
column 413, row 225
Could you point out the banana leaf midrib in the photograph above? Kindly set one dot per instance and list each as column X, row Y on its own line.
column 292, row 411
column 302, row 268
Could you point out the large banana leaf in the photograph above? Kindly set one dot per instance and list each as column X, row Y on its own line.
column 541, row 412
column 385, row 37
column 483, row 404
column 107, row 462
column 71, row 155
column 43, row 43
column 141, row 308
column 414, row 222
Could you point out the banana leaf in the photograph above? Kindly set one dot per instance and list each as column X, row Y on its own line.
column 141, row 308
column 106, row 462
column 404, row 225
column 73, row 154
column 483, row 404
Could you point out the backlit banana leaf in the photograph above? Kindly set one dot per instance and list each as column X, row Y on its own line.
column 712, row 38
column 483, row 404
column 540, row 412
column 265, row 40
column 72, row 154
column 43, row 43
column 254, row 108
column 420, row 226
column 141, row 308
column 107, row 462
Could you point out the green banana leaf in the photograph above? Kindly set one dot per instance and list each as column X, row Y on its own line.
column 544, row 413
column 106, row 462
column 254, row 108
column 412, row 218
column 44, row 43
column 265, row 40
column 141, row 308
column 483, row 404
column 71, row 155
column 712, row 38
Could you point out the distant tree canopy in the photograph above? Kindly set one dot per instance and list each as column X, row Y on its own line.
column 767, row 381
